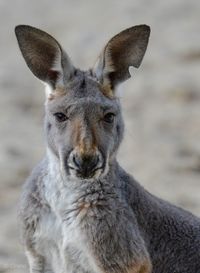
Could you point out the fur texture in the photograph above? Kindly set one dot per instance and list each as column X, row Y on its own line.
column 80, row 211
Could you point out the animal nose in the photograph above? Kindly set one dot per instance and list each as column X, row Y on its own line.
column 86, row 165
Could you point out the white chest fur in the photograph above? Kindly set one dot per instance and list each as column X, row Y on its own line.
column 60, row 236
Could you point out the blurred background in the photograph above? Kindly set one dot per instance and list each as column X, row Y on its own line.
column 161, row 102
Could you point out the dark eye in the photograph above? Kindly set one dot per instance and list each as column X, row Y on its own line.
column 109, row 117
column 60, row 117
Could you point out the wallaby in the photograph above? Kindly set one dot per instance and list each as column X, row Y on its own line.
column 80, row 211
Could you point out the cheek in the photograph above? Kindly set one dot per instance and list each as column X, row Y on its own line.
column 51, row 142
column 63, row 141
column 114, row 137
column 53, row 137
column 106, row 140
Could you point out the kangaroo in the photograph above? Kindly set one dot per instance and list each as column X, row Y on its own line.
column 80, row 211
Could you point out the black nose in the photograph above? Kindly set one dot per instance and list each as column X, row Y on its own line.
column 86, row 165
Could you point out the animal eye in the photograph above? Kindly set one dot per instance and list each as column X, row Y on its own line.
column 109, row 117
column 60, row 117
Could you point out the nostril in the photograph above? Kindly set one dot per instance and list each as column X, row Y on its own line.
column 76, row 161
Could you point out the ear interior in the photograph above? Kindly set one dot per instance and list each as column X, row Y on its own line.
column 43, row 54
column 124, row 50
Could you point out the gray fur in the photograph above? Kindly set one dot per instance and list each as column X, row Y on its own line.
column 73, row 222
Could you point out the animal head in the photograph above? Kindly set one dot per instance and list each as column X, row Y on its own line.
column 83, row 120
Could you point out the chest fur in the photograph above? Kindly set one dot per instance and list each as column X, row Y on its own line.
column 60, row 234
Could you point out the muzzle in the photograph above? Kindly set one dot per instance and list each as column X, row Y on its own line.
column 85, row 165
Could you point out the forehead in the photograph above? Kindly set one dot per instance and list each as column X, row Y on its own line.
column 83, row 91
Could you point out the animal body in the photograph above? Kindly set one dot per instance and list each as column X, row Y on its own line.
column 80, row 211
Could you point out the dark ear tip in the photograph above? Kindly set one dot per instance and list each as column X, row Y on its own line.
column 19, row 29
column 145, row 28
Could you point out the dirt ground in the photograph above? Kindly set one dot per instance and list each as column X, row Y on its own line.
column 161, row 102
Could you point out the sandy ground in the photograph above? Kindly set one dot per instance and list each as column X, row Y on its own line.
column 161, row 102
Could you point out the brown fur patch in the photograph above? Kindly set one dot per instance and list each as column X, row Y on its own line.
column 58, row 92
column 83, row 209
column 76, row 132
column 107, row 90
column 84, row 150
column 84, row 206
column 94, row 139
column 144, row 267
column 83, row 145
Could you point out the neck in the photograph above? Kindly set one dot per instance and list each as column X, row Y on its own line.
column 62, row 192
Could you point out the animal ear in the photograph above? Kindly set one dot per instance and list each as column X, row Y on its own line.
column 124, row 50
column 43, row 55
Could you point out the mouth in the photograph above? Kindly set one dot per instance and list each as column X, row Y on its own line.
column 85, row 174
